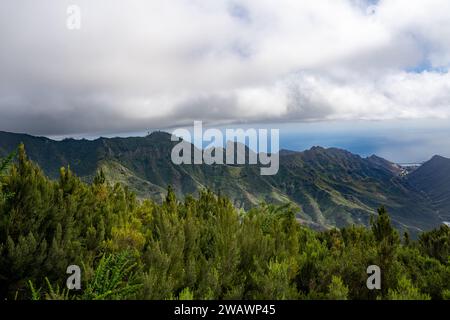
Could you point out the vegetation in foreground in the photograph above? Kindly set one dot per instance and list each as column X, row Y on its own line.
column 196, row 249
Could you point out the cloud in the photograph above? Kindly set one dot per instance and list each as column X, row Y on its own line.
column 157, row 64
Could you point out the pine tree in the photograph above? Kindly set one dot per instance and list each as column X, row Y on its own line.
column 201, row 247
column 406, row 291
column 5, row 165
column 337, row 290
column 387, row 239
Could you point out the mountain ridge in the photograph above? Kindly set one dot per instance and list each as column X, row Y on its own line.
column 331, row 186
column 432, row 179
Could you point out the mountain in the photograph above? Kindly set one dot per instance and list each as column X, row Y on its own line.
column 433, row 180
column 331, row 187
column 339, row 188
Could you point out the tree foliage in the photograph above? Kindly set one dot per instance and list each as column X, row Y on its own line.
column 197, row 248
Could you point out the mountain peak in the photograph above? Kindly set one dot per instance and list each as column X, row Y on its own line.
column 439, row 158
column 159, row 135
column 330, row 152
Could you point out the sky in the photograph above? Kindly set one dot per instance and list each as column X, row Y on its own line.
column 369, row 76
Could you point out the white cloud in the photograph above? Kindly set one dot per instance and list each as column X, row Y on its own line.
column 141, row 64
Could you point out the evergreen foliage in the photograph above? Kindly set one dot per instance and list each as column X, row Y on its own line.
column 200, row 248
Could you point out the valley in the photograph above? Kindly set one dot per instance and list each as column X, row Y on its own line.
column 330, row 187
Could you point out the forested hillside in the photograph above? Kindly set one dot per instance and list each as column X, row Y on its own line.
column 195, row 248
column 330, row 187
column 433, row 180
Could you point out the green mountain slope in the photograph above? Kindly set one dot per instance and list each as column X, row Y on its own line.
column 433, row 180
column 332, row 187
column 339, row 188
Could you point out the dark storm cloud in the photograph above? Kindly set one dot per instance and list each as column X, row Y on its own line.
column 159, row 64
